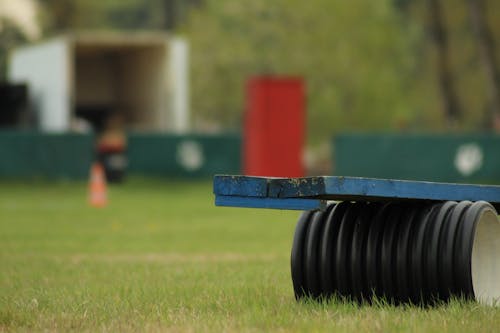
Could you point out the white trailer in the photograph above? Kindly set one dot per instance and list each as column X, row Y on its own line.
column 141, row 76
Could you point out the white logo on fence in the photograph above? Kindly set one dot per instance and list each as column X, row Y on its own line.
column 190, row 155
column 468, row 159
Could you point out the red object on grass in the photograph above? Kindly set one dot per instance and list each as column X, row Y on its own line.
column 274, row 129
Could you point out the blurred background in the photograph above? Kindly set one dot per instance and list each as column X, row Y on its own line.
column 159, row 95
column 189, row 88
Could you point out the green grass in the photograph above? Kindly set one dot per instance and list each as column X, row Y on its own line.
column 162, row 257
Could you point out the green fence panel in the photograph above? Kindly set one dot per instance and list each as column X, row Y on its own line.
column 446, row 158
column 183, row 155
column 42, row 155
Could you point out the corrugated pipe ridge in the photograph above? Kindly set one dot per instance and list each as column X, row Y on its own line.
column 403, row 252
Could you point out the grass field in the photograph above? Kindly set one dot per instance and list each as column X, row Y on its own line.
column 162, row 257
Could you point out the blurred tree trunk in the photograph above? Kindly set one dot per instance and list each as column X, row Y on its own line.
column 440, row 38
column 487, row 50
column 175, row 11
column 170, row 7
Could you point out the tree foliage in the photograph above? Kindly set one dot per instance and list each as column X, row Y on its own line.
column 468, row 76
column 61, row 15
column 358, row 60
column 369, row 65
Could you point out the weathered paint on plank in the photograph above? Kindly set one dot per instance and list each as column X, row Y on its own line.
column 241, row 186
column 273, row 203
column 353, row 188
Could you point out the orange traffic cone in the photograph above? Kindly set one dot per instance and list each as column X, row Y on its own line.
column 98, row 196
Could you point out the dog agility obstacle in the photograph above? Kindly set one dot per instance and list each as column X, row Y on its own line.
column 403, row 241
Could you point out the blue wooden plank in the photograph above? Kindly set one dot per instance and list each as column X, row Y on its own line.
column 341, row 188
column 274, row 203
column 352, row 188
column 240, row 185
column 296, row 187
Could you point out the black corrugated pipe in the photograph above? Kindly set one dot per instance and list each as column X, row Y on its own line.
column 404, row 252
